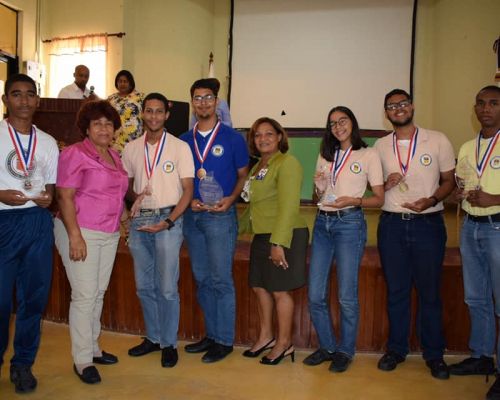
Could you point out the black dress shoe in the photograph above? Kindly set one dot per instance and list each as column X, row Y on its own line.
column 390, row 361
column 340, row 362
column 22, row 378
column 89, row 375
column 105, row 359
column 474, row 366
column 438, row 368
column 318, row 357
column 147, row 346
column 256, row 353
column 169, row 357
column 199, row 347
column 216, row 352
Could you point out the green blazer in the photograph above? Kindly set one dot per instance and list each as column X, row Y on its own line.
column 275, row 200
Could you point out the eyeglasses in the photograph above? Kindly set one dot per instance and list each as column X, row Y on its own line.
column 397, row 106
column 208, row 98
column 340, row 122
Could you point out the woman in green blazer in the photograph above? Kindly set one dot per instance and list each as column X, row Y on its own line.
column 278, row 250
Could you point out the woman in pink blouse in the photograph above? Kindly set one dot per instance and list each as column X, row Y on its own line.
column 91, row 185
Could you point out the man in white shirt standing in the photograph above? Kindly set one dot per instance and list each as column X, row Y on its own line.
column 78, row 89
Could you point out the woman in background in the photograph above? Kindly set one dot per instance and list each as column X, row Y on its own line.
column 128, row 102
column 278, row 250
column 91, row 185
column 344, row 168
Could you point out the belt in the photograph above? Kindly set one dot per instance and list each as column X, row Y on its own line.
column 484, row 218
column 149, row 212
column 410, row 216
column 339, row 213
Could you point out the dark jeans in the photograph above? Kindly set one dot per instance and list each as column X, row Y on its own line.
column 412, row 252
column 26, row 246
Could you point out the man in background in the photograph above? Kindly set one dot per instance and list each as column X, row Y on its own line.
column 78, row 89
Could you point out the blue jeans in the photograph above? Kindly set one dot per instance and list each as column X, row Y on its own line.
column 480, row 249
column 341, row 239
column 26, row 248
column 211, row 240
column 412, row 252
column 156, row 268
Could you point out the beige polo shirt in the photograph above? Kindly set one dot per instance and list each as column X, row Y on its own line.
column 490, row 180
column 176, row 163
column 362, row 166
column 434, row 155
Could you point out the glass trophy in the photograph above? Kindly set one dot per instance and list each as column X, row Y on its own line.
column 322, row 186
column 408, row 190
column 34, row 184
column 210, row 190
column 466, row 176
column 149, row 201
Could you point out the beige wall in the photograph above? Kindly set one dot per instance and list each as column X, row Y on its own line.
column 454, row 60
column 168, row 44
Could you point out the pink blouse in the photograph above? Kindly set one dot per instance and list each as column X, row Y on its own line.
column 100, row 187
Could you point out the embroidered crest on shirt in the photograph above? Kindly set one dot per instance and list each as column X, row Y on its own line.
column 168, row 167
column 15, row 168
column 217, row 150
column 495, row 162
column 425, row 160
column 355, row 168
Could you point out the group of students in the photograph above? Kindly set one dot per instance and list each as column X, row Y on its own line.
column 410, row 172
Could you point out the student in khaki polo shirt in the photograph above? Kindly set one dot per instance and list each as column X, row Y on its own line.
column 418, row 166
column 161, row 171
column 479, row 174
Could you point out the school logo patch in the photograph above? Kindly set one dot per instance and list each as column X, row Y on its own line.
column 495, row 162
column 425, row 160
column 168, row 167
column 355, row 167
column 14, row 166
column 217, row 150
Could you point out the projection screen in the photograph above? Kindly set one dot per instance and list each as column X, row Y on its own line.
column 293, row 60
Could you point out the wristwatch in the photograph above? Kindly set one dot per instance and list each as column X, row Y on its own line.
column 170, row 224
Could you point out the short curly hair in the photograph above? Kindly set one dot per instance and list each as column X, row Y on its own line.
column 92, row 110
column 283, row 144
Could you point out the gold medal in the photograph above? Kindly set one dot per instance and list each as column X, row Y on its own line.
column 403, row 187
column 201, row 173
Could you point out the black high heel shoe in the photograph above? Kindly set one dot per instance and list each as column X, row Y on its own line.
column 275, row 361
column 256, row 353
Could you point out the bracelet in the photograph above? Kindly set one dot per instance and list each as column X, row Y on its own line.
column 170, row 224
column 436, row 200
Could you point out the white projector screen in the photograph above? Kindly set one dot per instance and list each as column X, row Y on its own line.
column 303, row 57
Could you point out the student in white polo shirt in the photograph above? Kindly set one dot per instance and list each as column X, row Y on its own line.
column 161, row 171
column 418, row 167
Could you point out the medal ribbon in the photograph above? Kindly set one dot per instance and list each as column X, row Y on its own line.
column 338, row 165
column 411, row 151
column 25, row 157
column 213, row 133
column 481, row 165
column 148, row 165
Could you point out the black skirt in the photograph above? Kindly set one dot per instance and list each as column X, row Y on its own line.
column 263, row 273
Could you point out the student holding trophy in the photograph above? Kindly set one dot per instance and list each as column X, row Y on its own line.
column 344, row 169
column 210, row 224
column 478, row 175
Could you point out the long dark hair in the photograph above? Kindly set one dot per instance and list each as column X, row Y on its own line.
column 330, row 143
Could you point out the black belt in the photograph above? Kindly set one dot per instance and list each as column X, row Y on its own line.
column 484, row 218
column 339, row 213
column 149, row 212
column 410, row 216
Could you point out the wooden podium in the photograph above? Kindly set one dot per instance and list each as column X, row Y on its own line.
column 58, row 118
